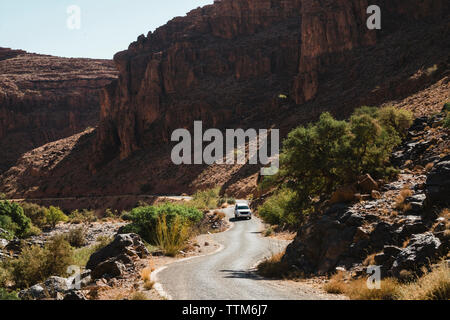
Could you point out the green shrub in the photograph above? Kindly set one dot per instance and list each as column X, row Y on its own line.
column 226, row 199
column 5, row 273
column 81, row 255
column 55, row 215
column 5, row 295
column 18, row 221
column 59, row 255
column 76, row 237
column 7, row 224
column 145, row 219
column 32, row 231
column 36, row 213
column 85, row 216
column 35, row 264
column 279, row 209
column 206, row 199
column 447, row 121
column 395, row 119
column 29, row 268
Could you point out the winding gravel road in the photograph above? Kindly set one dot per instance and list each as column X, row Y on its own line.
column 229, row 274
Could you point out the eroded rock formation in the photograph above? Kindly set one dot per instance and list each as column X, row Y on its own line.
column 45, row 98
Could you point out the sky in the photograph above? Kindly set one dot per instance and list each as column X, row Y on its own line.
column 102, row 27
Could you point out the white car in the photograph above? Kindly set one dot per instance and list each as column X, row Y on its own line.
column 242, row 210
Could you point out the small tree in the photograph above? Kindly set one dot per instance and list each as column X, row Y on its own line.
column 55, row 215
column 59, row 256
column 19, row 220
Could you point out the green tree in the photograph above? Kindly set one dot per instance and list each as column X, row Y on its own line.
column 36, row 213
column 18, row 220
column 319, row 157
column 55, row 215
column 312, row 157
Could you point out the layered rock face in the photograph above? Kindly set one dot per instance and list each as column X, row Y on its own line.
column 44, row 98
column 228, row 62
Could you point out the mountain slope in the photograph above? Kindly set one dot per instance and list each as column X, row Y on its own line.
column 45, row 98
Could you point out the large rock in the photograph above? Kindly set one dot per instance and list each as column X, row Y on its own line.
column 52, row 288
column 422, row 250
column 321, row 244
column 111, row 260
column 110, row 268
column 438, row 183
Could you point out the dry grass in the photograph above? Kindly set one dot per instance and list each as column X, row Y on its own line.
column 400, row 200
column 358, row 290
column 434, row 285
column 337, row 284
column 146, row 275
column 172, row 238
column 138, row 295
column 219, row 215
column 273, row 267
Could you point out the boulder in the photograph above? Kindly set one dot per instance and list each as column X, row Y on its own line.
column 320, row 246
column 75, row 295
column 3, row 243
column 381, row 235
column 416, row 203
column 438, row 183
column 422, row 250
column 409, row 227
column 112, row 259
column 130, row 245
column 110, row 268
column 35, row 292
column 52, row 288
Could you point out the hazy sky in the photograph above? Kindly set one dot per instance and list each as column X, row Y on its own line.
column 106, row 26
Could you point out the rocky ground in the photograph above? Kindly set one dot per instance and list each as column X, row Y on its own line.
column 401, row 225
column 121, row 270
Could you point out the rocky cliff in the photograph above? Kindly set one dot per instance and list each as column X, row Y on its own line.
column 228, row 61
column 44, row 98
column 241, row 63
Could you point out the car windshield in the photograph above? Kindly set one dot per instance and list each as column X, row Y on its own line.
column 243, row 207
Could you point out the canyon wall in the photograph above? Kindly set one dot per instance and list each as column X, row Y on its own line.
column 228, row 62
column 44, row 98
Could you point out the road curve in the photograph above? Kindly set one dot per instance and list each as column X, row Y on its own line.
column 228, row 274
